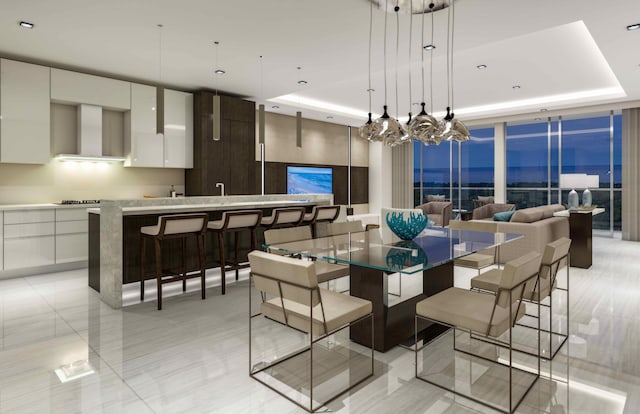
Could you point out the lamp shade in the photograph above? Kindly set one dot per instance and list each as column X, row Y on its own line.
column 579, row 181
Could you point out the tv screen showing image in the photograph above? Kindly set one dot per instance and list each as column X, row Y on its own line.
column 309, row 180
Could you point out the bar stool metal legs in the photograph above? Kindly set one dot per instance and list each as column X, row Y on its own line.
column 179, row 227
column 234, row 221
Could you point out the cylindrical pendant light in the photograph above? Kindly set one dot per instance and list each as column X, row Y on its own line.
column 261, row 124
column 160, row 88
column 299, row 129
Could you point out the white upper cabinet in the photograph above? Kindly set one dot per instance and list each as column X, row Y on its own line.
column 178, row 129
column 77, row 88
column 25, row 135
column 142, row 145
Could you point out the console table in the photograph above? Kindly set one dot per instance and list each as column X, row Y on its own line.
column 581, row 234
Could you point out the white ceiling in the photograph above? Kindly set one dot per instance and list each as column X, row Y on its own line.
column 562, row 53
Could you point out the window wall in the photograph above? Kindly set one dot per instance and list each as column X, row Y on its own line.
column 459, row 171
column 537, row 153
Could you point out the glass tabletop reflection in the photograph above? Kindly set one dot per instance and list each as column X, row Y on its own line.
column 375, row 249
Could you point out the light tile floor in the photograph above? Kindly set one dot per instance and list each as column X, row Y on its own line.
column 192, row 357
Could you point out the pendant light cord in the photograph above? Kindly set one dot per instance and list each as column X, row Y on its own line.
column 410, row 38
column 397, row 8
column 385, row 50
column 422, row 46
column 453, row 28
column 216, row 69
column 370, row 35
column 160, row 54
column 431, row 6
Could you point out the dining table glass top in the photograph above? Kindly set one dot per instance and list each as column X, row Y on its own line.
column 375, row 249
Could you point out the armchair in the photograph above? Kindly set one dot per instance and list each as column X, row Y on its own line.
column 437, row 211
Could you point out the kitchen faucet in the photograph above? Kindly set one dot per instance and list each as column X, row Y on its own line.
column 221, row 185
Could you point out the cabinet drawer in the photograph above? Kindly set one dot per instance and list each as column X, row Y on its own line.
column 16, row 231
column 28, row 216
column 69, row 214
column 28, row 252
column 71, row 227
column 71, row 247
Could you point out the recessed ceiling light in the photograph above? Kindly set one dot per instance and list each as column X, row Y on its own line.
column 544, row 110
column 515, row 87
column 302, row 82
column 537, row 119
column 275, row 107
column 27, row 25
column 329, row 117
column 481, row 66
column 429, row 47
column 633, row 26
column 219, row 72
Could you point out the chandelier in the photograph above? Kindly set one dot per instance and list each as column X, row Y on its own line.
column 423, row 127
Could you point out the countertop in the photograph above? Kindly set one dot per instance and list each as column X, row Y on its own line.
column 185, row 208
column 565, row 213
column 43, row 206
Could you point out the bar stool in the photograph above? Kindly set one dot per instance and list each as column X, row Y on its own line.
column 321, row 214
column 179, row 226
column 234, row 221
column 283, row 217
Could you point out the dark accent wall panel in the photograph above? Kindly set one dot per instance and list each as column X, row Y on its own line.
column 232, row 159
column 276, row 181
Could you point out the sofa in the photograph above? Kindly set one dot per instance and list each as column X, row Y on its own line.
column 437, row 211
column 488, row 210
column 537, row 225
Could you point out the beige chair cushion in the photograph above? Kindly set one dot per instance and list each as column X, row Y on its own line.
column 469, row 310
column 489, row 281
column 339, row 310
column 186, row 225
column 328, row 271
column 285, row 216
column 475, row 260
column 344, row 227
column 236, row 221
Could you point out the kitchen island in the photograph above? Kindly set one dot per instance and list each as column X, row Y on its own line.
column 114, row 247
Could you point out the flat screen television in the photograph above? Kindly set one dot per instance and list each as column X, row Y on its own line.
column 309, row 180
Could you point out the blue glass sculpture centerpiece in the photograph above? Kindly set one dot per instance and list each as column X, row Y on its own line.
column 406, row 254
column 406, row 228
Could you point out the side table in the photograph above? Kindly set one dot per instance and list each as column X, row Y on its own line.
column 581, row 234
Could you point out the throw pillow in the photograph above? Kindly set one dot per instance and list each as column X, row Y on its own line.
column 503, row 215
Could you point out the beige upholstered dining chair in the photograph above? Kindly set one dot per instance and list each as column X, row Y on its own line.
column 556, row 254
column 291, row 296
column 477, row 261
column 324, row 271
column 489, row 316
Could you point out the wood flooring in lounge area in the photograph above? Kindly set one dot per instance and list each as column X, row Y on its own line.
column 192, row 357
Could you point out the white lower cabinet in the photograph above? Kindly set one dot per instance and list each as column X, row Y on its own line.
column 29, row 238
column 72, row 240
column 41, row 237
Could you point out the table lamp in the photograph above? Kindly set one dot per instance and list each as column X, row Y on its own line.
column 574, row 181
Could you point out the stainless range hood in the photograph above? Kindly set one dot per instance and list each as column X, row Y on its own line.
column 89, row 137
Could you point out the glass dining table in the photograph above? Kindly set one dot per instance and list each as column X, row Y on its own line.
column 395, row 274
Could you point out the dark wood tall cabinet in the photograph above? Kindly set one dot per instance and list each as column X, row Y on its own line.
column 232, row 159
